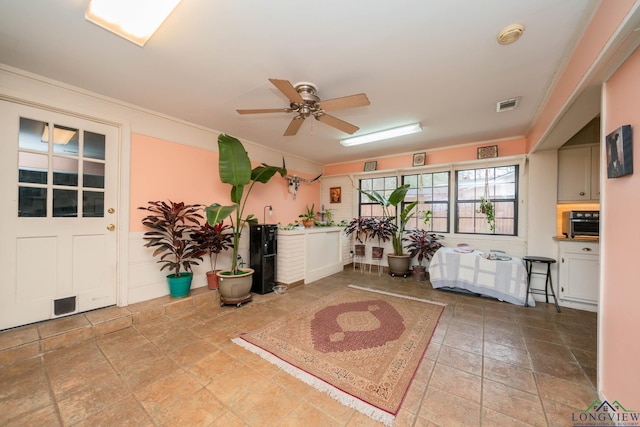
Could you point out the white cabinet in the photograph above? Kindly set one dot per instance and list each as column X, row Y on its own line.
column 579, row 274
column 579, row 173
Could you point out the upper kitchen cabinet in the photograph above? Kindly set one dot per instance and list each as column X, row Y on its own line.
column 579, row 165
column 579, row 173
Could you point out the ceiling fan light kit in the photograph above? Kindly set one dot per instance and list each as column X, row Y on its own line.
column 381, row 135
column 305, row 102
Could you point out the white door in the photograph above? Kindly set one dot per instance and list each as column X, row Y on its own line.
column 58, row 240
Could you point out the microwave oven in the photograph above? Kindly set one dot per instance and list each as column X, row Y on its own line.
column 581, row 223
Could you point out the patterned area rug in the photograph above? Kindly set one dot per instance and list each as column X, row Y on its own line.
column 360, row 346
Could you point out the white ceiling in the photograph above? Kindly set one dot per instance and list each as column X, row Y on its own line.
column 435, row 62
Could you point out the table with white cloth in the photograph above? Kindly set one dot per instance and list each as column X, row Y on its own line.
column 471, row 272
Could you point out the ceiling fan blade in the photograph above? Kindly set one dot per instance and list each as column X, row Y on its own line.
column 359, row 100
column 294, row 126
column 288, row 90
column 268, row 110
column 337, row 123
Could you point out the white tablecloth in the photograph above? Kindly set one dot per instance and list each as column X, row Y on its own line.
column 504, row 280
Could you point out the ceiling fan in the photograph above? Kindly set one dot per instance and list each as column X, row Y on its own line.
column 305, row 103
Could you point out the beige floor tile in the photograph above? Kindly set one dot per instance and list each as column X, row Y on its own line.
column 125, row 413
column 91, row 399
column 523, row 406
column 463, row 342
column 460, row 359
column 575, row 394
column 515, row 376
column 457, row 382
column 442, row 408
column 507, row 354
column 46, row 416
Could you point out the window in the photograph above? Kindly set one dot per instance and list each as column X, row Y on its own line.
column 432, row 192
column 500, row 184
column 383, row 185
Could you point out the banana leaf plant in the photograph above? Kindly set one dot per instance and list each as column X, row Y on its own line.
column 235, row 169
column 170, row 227
column 395, row 198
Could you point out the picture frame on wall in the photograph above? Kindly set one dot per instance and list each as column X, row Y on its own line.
column 370, row 166
column 619, row 146
column 335, row 194
column 488, row 152
column 419, row 159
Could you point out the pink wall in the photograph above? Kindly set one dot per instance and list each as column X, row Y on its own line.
column 434, row 157
column 619, row 312
column 605, row 21
column 163, row 170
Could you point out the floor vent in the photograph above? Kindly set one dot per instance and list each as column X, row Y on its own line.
column 64, row 306
column 508, row 104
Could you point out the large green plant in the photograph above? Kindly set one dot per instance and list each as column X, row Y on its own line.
column 170, row 225
column 395, row 198
column 235, row 169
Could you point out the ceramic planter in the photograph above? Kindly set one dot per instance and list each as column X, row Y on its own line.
column 179, row 286
column 360, row 250
column 376, row 252
column 235, row 289
column 419, row 273
column 399, row 264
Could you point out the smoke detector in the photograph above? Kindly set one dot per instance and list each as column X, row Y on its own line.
column 510, row 34
column 508, row 104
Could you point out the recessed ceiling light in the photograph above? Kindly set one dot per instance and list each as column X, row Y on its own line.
column 510, row 34
column 134, row 20
column 384, row 134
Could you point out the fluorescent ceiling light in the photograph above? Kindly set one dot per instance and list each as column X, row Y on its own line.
column 385, row 134
column 60, row 135
column 135, row 20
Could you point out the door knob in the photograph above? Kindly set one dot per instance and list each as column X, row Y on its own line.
column 111, row 210
column 111, row 227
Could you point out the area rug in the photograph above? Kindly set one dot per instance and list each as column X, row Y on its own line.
column 360, row 346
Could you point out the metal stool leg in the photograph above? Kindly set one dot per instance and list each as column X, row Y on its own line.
column 528, row 266
column 555, row 299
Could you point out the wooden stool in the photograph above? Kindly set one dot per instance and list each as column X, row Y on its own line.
column 529, row 261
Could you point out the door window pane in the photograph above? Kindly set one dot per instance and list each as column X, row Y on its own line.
column 92, row 204
column 94, row 145
column 93, row 175
column 65, row 171
column 31, row 132
column 65, row 203
column 65, row 140
column 32, row 202
column 33, row 167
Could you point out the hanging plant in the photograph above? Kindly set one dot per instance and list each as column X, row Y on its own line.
column 486, row 207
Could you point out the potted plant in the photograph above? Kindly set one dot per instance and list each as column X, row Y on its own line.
column 399, row 262
column 213, row 239
column 359, row 226
column 235, row 169
column 486, row 208
column 424, row 244
column 309, row 216
column 382, row 229
column 171, row 224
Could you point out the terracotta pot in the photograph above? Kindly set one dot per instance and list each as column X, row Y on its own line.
column 419, row 273
column 308, row 223
column 212, row 279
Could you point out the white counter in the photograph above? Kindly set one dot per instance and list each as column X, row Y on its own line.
column 310, row 254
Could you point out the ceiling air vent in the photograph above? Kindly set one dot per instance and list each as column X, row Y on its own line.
column 507, row 104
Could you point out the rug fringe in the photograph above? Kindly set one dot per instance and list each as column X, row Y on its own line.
column 344, row 398
column 397, row 295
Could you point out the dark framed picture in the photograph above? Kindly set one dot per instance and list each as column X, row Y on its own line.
column 488, row 152
column 370, row 166
column 418, row 159
column 619, row 152
column 335, row 194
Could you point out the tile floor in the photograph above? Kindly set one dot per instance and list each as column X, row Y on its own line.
column 171, row 363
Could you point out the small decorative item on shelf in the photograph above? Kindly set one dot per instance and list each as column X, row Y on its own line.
column 418, row 159
column 370, row 166
column 488, row 152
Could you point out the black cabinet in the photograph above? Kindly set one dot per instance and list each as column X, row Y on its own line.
column 263, row 249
